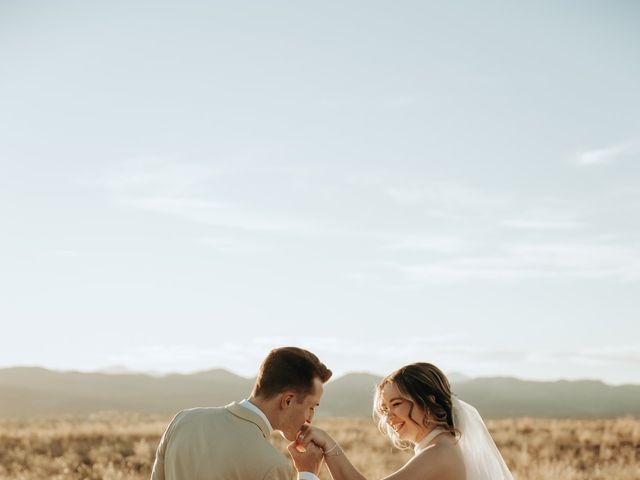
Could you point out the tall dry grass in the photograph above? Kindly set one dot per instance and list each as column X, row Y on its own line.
column 114, row 446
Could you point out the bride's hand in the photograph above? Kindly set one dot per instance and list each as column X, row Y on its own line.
column 308, row 434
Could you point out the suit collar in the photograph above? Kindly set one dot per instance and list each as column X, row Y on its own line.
column 242, row 412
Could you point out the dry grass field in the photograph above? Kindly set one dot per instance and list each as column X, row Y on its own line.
column 114, row 446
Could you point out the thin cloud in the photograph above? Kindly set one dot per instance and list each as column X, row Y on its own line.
column 451, row 352
column 625, row 354
column 360, row 276
column 402, row 101
column 541, row 224
column 406, row 195
column 552, row 214
column 184, row 190
column 609, row 154
column 149, row 175
column 425, row 242
column 447, row 195
column 65, row 253
column 341, row 354
column 171, row 204
column 237, row 357
column 531, row 261
column 233, row 245
column 448, row 201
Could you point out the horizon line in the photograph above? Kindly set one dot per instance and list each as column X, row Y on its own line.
column 155, row 374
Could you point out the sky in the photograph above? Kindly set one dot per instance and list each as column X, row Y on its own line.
column 185, row 185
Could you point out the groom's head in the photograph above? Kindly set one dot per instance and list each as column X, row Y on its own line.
column 290, row 381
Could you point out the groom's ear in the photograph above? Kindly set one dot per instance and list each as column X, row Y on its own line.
column 286, row 399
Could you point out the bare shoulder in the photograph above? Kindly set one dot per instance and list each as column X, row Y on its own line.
column 442, row 461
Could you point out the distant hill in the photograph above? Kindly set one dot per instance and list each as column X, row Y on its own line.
column 349, row 396
column 33, row 391
column 457, row 377
column 28, row 391
column 510, row 397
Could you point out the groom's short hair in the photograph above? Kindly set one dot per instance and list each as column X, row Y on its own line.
column 289, row 368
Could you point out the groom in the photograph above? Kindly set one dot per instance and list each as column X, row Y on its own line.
column 232, row 442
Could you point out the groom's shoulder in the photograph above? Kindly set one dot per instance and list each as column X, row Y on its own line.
column 197, row 415
column 201, row 412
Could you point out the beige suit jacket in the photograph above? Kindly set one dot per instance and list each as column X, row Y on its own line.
column 219, row 443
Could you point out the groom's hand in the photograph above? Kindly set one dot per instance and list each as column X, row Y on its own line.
column 309, row 460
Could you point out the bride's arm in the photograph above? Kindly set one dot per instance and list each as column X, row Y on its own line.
column 342, row 469
column 432, row 465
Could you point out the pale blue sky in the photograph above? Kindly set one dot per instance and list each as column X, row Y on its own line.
column 185, row 185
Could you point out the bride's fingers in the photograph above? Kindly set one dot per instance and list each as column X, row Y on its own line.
column 304, row 437
column 315, row 449
column 306, row 428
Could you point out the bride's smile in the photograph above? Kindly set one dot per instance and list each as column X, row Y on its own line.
column 397, row 426
column 404, row 417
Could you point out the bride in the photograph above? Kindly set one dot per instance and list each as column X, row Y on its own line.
column 414, row 407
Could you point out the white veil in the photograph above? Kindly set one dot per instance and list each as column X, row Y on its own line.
column 482, row 458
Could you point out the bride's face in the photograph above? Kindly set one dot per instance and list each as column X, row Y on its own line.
column 405, row 417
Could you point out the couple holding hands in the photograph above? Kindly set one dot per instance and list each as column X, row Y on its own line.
column 413, row 406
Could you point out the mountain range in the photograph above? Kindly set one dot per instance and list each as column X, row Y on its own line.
column 33, row 391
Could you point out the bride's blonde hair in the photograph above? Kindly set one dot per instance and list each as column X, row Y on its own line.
column 424, row 385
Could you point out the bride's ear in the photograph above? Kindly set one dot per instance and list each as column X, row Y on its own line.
column 427, row 418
